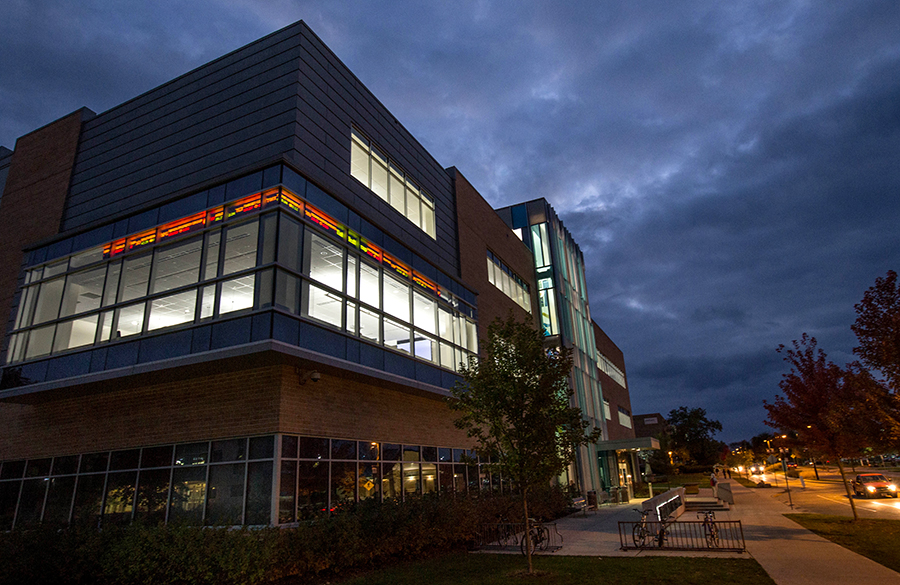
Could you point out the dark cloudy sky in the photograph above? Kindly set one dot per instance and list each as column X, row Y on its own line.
column 731, row 170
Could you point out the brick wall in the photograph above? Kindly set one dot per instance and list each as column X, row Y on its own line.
column 481, row 228
column 34, row 197
column 615, row 394
column 251, row 401
column 178, row 410
column 344, row 407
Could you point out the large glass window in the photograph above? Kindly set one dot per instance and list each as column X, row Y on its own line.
column 287, row 491
column 398, row 190
column 59, row 500
column 225, row 497
column 188, row 492
column 75, row 333
column 396, row 335
column 259, row 492
column 129, row 320
column 237, row 294
column 371, row 167
column 172, row 310
column 48, row 301
column 379, row 174
column 396, row 297
column 240, row 247
column 343, row 482
column 26, row 304
column 325, row 261
column 84, row 291
column 369, row 285
column 112, row 283
column 289, row 244
column 359, row 158
column 424, row 312
column 343, row 280
column 426, row 347
column 88, row 499
column 500, row 275
column 177, row 266
column 369, row 480
column 152, row 495
column 287, row 292
column 135, row 276
column 312, row 487
column 211, row 266
column 119, row 502
column 40, row 341
column 369, row 324
column 323, row 305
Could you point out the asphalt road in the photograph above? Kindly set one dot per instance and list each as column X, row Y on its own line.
column 828, row 496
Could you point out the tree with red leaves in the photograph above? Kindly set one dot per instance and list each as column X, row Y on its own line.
column 877, row 328
column 835, row 411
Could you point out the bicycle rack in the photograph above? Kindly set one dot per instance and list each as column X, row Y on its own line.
column 687, row 535
column 507, row 536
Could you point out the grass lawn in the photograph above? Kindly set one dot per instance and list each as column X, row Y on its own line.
column 876, row 539
column 745, row 482
column 488, row 569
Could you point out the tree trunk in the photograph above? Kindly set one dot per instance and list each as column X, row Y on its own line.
column 847, row 488
column 527, row 530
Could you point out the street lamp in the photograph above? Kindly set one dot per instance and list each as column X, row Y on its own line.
column 787, row 484
column 815, row 469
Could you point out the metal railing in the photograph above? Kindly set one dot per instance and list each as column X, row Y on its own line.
column 509, row 536
column 728, row 536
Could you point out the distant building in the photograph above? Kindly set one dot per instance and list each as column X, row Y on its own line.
column 243, row 296
column 650, row 425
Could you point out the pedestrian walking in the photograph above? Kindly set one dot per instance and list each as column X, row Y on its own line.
column 714, row 483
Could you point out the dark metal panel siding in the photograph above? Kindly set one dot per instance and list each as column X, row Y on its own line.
column 286, row 95
column 331, row 99
column 227, row 115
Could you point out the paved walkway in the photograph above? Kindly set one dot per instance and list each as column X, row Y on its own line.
column 790, row 554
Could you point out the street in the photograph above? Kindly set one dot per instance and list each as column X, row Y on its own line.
column 828, row 496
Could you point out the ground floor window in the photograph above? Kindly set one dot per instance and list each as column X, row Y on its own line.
column 273, row 479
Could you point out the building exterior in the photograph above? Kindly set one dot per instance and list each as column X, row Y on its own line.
column 650, row 425
column 243, row 296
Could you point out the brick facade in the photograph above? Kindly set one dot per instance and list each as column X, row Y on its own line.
column 613, row 392
column 34, row 196
column 480, row 228
column 254, row 401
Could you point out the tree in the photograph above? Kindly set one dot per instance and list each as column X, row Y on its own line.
column 833, row 410
column 877, row 328
column 515, row 404
column 692, row 435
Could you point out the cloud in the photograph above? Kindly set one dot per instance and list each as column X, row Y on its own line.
column 729, row 170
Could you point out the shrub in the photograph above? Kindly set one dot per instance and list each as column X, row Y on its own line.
column 355, row 536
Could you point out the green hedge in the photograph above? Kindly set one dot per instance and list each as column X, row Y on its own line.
column 359, row 536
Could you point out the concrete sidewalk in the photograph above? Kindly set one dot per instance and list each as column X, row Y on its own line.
column 790, row 554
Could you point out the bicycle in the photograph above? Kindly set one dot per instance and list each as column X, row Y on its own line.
column 641, row 533
column 710, row 529
column 662, row 537
column 540, row 537
column 506, row 534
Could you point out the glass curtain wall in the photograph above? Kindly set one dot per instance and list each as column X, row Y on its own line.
column 221, row 265
column 564, row 309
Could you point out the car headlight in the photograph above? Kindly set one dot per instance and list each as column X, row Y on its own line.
column 892, row 487
column 871, row 488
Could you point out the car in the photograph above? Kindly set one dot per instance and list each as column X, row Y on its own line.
column 873, row 484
